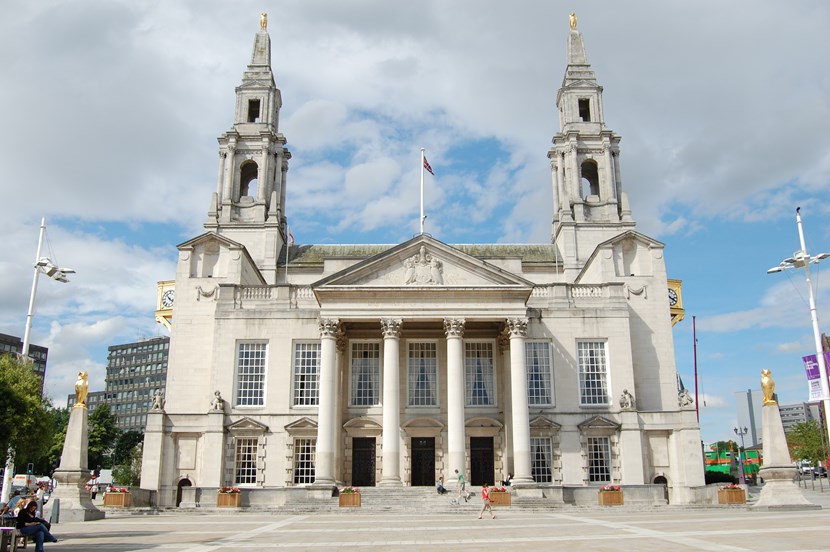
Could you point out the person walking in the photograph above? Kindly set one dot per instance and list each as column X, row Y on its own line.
column 34, row 527
column 485, row 498
column 462, row 486
column 94, row 489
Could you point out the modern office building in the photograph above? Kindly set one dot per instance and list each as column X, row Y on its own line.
column 93, row 399
column 37, row 354
column 135, row 371
column 748, row 405
column 392, row 364
column 798, row 413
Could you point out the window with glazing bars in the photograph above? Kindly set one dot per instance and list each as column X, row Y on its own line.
column 478, row 374
column 365, row 374
column 306, row 374
column 305, row 452
column 593, row 377
column 541, row 454
column 245, row 461
column 423, row 374
column 250, row 374
column 538, row 373
column 599, row 459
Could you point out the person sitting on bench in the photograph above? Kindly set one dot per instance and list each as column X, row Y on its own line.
column 34, row 527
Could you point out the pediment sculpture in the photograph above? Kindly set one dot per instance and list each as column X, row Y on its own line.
column 423, row 269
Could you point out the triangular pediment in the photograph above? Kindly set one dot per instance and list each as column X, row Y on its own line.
column 598, row 423
column 626, row 254
column 423, row 262
column 304, row 427
column 247, row 426
column 543, row 423
column 237, row 260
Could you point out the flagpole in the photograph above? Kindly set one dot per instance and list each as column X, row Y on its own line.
column 422, row 191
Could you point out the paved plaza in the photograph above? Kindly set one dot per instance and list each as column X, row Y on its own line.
column 572, row 529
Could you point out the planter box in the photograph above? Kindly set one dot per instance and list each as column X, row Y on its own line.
column 731, row 496
column 610, row 498
column 229, row 500
column 350, row 500
column 120, row 500
column 498, row 498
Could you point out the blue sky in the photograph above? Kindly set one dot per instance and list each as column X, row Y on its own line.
column 111, row 110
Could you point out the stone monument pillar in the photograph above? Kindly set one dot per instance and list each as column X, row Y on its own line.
column 779, row 491
column 73, row 473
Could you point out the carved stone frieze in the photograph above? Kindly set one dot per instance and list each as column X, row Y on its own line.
column 454, row 327
column 423, row 269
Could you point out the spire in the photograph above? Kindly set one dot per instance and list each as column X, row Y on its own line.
column 262, row 45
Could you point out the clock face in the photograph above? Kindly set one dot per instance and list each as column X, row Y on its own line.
column 672, row 297
column 167, row 298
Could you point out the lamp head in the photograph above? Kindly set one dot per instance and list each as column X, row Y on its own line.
column 775, row 269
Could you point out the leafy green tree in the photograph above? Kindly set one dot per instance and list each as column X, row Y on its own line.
column 102, row 436
column 49, row 461
column 129, row 473
column 124, row 445
column 804, row 440
column 26, row 421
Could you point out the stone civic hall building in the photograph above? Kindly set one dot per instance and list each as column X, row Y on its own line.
column 395, row 364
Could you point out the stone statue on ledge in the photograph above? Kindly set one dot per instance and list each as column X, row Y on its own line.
column 217, row 404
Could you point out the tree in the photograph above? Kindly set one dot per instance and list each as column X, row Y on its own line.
column 51, row 458
column 26, row 426
column 102, row 435
column 129, row 473
column 805, row 442
column 124, row 445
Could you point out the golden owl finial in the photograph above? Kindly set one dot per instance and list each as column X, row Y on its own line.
column 573, row 21
column 263, row 21
column 768, row 387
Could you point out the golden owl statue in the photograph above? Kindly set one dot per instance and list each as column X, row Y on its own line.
column 768, row 386
column 81, row 389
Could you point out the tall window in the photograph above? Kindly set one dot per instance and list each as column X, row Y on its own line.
column 599, row 459
column 250, row 374
column 365, row 374
column 478, row 374
column 593, row 376
column 541, row 454
column 305, row 452
column 538, row 373
column 423, row 374
column 245, row 461
column 306, row 374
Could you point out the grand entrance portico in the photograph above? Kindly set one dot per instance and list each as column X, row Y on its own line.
column 433, row 330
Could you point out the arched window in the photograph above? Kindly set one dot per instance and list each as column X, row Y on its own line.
column 590, row 178
column 248, row 179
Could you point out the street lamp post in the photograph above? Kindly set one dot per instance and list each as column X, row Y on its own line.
column 42, row 265
column 802, row 259
column 740, row 432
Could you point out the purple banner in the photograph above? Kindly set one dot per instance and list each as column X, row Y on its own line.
column 813, row 377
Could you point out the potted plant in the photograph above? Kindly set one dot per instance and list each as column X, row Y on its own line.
column 731, row 494
column 349, row 497
column 118, row 496
column 610, row 495
column 500, row 496
column 229, row 497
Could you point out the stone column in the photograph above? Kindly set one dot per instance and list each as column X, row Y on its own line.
column 262, row 177
column 391, row 475
column 326, row 413
column 611, row 182
column 554, row 176
column 517, row 327
column 457, row 442
column 504, row 351
column 564, row 196
column 227, row 191
column 220, row 179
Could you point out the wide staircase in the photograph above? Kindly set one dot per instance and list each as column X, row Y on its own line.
column 411, row 499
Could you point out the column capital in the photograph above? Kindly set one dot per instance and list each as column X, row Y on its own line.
column 504, row 340
column 329, row 327
column 340, row 338
column 517, row 327
column 391, row 327
column 454, row 327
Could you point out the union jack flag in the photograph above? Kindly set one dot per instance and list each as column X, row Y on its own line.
column 427, row 167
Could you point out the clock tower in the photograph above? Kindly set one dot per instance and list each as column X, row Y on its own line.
column 248, row 205
column 589, row 204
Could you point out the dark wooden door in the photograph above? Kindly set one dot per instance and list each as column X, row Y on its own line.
column 482, row 466
column 363, row 462
column 183, row 483
column 423, row 461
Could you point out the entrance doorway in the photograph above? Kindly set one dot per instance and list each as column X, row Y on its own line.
column 481, row 461
column 363, row 461
column 183, row 483
column 423, row 461
column 660, row 480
